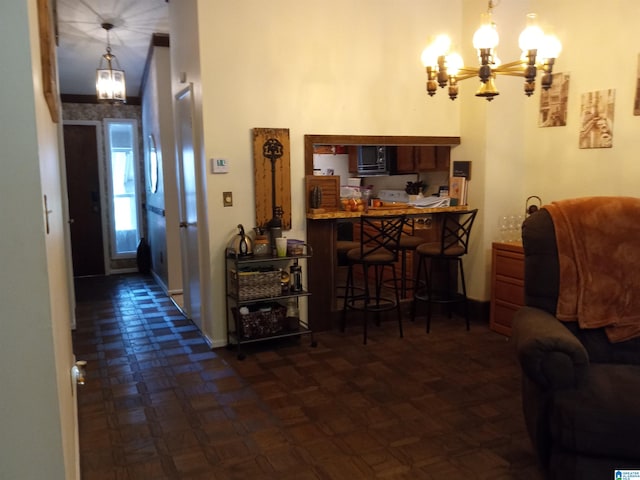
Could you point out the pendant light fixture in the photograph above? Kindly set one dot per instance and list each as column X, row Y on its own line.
column 110, row 84
column 539, row 52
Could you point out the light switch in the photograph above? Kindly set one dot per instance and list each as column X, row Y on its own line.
column 227, row 199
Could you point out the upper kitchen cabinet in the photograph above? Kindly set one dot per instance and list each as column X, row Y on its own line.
column 422, row 158
column 406, row 154
column 353, row 159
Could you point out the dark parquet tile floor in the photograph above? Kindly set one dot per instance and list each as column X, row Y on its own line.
column 159, row 404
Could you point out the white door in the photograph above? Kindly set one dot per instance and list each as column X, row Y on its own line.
column 187, row 196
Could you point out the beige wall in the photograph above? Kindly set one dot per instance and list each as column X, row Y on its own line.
column 601, row 47
column 514, row 157
column 345, row 69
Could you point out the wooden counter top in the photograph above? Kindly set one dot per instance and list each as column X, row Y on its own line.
column 384, row 211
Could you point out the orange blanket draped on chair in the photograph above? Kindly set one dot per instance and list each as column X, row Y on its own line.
column 598, row 242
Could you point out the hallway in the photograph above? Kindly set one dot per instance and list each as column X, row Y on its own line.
column 159, row 404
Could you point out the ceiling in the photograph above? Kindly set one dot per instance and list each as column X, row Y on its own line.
column 82, row 41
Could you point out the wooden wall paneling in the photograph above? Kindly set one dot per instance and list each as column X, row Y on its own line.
column 274, row 142
column 46, row 29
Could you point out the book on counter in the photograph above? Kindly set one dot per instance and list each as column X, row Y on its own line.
column 458, row 190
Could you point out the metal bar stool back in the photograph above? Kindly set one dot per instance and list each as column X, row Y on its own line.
column 379, row 240
column 453, row 245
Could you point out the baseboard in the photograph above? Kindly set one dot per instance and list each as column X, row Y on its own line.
column 160, row 283
column 213, row 344
column 118, row 271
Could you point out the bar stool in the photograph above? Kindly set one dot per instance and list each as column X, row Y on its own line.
column 342, row 248
column 453, row 245
column 408, row 242
column 378, row 248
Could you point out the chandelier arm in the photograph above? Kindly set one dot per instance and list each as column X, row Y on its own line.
column 510, row 65
column 465, row 76
column 512, row 73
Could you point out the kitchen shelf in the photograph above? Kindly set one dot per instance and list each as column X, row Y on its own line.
column 269, row 323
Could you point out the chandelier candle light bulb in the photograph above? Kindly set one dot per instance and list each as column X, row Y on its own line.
column 539, row 52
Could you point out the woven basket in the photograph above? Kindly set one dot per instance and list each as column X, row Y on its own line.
column 261, row 323
column 252, row 285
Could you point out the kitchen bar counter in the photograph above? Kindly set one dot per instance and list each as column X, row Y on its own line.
column 409, row 210
column 323, row 270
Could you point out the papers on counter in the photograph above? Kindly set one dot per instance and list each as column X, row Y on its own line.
column 430, row 202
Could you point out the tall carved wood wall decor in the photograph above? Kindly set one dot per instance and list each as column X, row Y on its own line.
column 46, row 29
column 272, row 145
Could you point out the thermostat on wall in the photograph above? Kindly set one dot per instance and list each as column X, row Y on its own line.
column 219, row 165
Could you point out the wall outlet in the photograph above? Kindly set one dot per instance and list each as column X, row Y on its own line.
column 227, row 199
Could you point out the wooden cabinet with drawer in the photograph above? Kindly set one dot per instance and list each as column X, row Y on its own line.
column 507, row 284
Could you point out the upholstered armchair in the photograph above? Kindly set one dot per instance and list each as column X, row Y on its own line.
column 580, row 388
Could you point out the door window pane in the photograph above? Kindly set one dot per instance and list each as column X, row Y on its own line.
column 123, row 187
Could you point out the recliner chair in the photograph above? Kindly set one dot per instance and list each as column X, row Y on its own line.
column 580, row 392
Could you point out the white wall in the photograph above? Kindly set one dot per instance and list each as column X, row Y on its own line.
column 38, row 439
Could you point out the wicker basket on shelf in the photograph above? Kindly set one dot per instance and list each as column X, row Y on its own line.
column 253, row 285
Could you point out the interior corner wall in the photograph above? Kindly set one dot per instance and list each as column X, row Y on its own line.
column 349, row 67
column 492, row 138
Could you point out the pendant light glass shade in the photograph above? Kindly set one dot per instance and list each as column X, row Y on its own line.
column 110, row 81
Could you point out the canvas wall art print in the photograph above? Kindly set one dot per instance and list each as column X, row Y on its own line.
column 596, row 119
column 636, row 101
column 553, row 102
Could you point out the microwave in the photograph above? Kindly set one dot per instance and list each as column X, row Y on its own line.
column 374, row 160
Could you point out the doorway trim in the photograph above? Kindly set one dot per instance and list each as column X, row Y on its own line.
column 103, row 198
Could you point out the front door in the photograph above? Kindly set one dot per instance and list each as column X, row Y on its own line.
column 187, row 194
column 83, row 185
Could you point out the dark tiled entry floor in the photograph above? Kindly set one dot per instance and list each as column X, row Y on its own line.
column 159, row 404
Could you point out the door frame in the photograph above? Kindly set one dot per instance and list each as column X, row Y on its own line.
column 186, row 95
column 102, row 190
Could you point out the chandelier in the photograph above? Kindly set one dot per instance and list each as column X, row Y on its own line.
column 539, row 51
column 110, row 85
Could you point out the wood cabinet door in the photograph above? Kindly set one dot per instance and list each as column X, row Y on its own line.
column 405, row 161
column 425, row 158
column 353, row 159
column 443, row 157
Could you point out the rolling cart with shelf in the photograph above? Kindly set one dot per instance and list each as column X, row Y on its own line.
column 254, row 282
